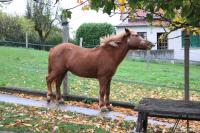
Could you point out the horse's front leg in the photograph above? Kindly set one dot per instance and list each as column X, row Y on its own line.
column 103, row 88
column 107, row 99
column 59, row 80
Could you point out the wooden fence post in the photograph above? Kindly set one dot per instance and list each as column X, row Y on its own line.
column 65, row 26
column 26, row 39
column 186, row 65
column 81, row 42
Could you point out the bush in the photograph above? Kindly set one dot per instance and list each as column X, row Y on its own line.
column 55, row 37
column 91, row 33
column 10, row 29
column 14, row 28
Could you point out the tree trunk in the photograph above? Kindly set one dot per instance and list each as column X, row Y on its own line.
column 42, row 40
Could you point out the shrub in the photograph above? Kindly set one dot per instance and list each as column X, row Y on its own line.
column 55, row 37
column 91, row 33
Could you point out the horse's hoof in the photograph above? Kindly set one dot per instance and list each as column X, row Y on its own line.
column 110, row 107
column 60, row 101
column 104, row 109
column 48, row 99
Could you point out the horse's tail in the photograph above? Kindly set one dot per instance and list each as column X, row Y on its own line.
column 50, row 67
column 49, row 62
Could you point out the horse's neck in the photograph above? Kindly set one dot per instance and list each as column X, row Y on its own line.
column 120, row 53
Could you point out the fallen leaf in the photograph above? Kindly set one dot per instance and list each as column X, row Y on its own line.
column 26, row 124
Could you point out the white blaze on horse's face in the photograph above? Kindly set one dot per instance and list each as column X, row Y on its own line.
column 137, row 42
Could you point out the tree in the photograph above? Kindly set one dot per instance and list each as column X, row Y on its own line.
column 97, row 29
column 14, row 27
column 41, row 12
column 179, row 13
column 55, row 37
column 29, row 9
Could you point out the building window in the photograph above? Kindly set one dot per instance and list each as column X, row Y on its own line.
column 143, row 35
column 194, row 40
column 161, row 43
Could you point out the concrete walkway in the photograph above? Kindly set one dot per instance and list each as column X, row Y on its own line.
column 86, row 111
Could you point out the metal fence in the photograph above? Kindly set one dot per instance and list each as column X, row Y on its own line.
column 22, row 44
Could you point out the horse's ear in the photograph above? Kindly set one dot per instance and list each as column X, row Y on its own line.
column 128, row 32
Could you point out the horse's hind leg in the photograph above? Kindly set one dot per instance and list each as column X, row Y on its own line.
column 59, row 80
column 103, row 82
column 49, row 79
column 107, row 99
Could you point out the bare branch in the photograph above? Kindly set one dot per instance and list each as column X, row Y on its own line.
column 175, row 37
column 76, row 5
column 4, row 1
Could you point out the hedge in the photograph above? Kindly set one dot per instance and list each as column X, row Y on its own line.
column 91, row 33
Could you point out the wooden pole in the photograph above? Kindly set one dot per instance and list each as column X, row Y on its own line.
column 26, row 39
column 187, row 69
column 65, row 25
column 186, row 65
column 81, row 42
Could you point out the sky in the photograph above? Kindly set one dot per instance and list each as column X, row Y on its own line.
column 18, row 7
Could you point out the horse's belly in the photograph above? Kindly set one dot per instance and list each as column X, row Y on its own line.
column 84, row 73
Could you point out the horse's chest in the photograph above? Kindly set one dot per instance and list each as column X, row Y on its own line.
column 106, row 70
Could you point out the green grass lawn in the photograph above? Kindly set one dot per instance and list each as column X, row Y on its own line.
column 28, row 68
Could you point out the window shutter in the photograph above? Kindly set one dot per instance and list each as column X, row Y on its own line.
column 194, row 40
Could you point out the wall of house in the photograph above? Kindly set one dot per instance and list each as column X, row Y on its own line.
column 194, row 54
column 175, row 44
column 166, row 55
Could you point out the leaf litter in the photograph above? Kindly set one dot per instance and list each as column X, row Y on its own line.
column 50, row 118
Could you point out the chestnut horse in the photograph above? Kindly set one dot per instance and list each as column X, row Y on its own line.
column 100, row 62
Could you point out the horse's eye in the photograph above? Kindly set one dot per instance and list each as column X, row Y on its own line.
column 134, row 35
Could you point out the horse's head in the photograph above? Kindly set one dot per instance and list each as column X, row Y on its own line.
column 135, row 41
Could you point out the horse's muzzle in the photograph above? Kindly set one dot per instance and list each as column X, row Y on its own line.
column 150, row 45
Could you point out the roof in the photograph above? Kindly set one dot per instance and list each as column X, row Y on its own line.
column 133, row 24
column 142, row 23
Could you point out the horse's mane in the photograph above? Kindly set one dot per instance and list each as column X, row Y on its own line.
column 111, row 39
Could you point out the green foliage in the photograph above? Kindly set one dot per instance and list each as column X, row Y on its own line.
column 179, row 13
column 91, row 33
column 26, row 24
column 65, row 14
column 55, row 37
column 106, row 5
column 42, row 17
column 12, row 28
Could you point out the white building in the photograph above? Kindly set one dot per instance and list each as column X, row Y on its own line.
column 152, row 34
